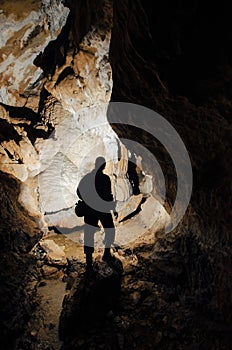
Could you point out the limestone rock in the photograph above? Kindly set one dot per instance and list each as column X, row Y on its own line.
column 84, row 134
column 146, row 185
column 18, row 159
column 128, row 207
column 54, row 254
column 65, row 220
column 136, row 230
column 50, row 151
column 26, row 31
column 49, row 271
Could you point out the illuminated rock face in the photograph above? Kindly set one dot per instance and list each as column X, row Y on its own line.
column 56, row 117
column 83, row 88
column 75, row 105
column 27, row 27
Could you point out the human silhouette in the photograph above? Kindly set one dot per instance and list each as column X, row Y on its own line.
column 94, row 190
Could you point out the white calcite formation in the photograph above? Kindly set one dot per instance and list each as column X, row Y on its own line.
column 72, row 116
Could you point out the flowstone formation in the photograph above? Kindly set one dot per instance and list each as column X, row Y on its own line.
column 54, row 98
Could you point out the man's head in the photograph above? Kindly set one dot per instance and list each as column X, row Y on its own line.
column 100, row 164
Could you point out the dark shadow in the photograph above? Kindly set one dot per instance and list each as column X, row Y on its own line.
column 21, row 112
column 54, row 54
column 152, row 144
column 18, row 234
column 172, row 292
column 135, row 212
column 91, row 299
column 44, row 94
column 66, row 230
column 25, row 114
column 133, row 176
column 80, row 17
column 184, row 288
column 65, row 73
column 7, row 132
column 184, row 270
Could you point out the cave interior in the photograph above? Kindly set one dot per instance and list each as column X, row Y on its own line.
column 63, row 64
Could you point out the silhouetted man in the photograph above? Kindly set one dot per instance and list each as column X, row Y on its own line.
column 95, row 190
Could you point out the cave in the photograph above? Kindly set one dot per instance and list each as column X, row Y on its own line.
column 147, row 86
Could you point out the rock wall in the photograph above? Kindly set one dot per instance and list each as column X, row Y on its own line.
column 56, row 83
column 174, row 58
column 18, row 234
column 27, row 29
column 55, row 86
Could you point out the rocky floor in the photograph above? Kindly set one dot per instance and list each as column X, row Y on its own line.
column 155, row 296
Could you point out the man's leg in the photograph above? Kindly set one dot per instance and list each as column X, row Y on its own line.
column 88, row 244
column 89, row 231
column 108, row 224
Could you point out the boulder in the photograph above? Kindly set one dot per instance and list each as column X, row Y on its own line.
column 54, row 254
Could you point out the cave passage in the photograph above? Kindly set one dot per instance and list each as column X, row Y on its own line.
column 61, row 64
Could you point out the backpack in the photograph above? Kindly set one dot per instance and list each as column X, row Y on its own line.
column 80, row 208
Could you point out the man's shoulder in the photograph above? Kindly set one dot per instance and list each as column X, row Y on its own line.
column 104, row 178
column 85, row 179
